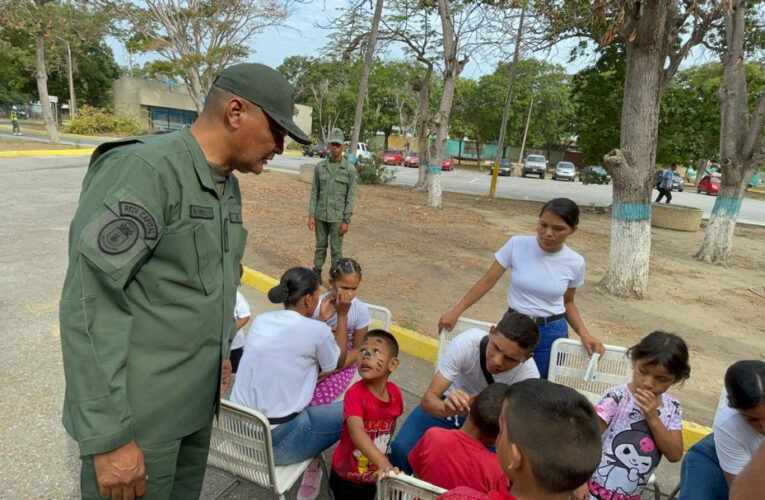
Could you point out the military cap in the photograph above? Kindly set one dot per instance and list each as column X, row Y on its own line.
column 264, row 87
column 336, row 136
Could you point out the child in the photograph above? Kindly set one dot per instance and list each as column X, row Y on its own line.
column 459, row 457
column 344, row 276
column 242, row 316
column 640, row 421
column 370, row 409
column 548, row 443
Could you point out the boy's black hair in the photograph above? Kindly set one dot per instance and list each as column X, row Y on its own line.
column 557, row 430
column 296, row 283
column 343, row 267
column 745, row 384
column 486, row 407
column 665, row 349
column 564, row 208
column 520, row 329
column 386, row 337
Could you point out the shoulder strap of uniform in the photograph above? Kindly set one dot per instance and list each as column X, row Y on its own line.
column 108, row 146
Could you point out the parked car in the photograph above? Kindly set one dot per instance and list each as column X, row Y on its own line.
column 319, row 150
column 392, row 157
column 534, row 164
column 413, row 160
column 677, row 181
column 710, row 184
column 505, row 168
column 564, row 170
column 447, row 163
column 594, row 174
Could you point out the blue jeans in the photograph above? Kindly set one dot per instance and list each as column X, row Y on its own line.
column 701, row 477
column 314, row 430
column 410, row 433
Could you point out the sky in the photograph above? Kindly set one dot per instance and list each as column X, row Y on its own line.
column 300, row 36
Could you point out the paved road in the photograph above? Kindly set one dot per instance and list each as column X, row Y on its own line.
column 471, row 182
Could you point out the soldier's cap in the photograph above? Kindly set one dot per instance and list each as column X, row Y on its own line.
column 336, row 136
column 266, row 88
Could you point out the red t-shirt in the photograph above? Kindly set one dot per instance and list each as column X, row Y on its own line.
column 451, row 458
column 465, row 493
column 379, row 418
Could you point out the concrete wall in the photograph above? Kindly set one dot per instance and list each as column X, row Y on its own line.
column 303, row 118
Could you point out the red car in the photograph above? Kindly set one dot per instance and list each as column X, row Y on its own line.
column 413, row 160
column 392, row 157
column 710, row 184
column 447, row 163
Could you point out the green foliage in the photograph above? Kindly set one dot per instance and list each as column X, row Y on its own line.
column 94, row 121
column 372, row 171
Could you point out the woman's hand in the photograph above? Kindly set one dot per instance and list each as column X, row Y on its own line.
column 581, row 493
column 324, row 375
column 448, row 320
column 591, row 344
column 326, row 309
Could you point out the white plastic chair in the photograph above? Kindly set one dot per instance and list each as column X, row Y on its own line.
column 462, row 324
column 570, row 365
column 381, row 317
column 241, row 445
column 403, row 487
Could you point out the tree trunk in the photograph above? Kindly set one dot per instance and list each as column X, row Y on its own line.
column 368, row 60
column 195, row 88
column 703, row 165
column 739, row 139
column 632, row 164
column 452, row 68
column 423, row 126
column 41, row 76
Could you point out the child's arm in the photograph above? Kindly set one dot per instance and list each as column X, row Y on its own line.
column 366, row 446
column 670, row 443
column 358, row 336
column 241, row 322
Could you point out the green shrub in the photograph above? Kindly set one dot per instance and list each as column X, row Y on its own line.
column 293, row 146
column 372, row 171
column 94, row 121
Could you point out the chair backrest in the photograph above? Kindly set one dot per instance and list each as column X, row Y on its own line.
column 403, row 487
column 241, row 444
column 462, row 324
column 381, row 317
column 592, row 376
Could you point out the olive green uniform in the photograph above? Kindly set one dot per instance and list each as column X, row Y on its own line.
column 333, row 194
column 147, row 309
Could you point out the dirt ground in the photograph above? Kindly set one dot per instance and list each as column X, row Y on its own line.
column 8, row 144
column 419, row 262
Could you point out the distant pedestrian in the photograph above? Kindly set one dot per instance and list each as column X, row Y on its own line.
column 15, row 121
column 333, row 195
column 665, row 183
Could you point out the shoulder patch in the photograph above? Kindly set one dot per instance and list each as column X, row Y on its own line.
column 118, row 236
column 143, row 216
column 200, row 212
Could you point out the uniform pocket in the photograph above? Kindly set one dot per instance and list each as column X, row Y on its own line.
column 238, row 236
column 179, row 267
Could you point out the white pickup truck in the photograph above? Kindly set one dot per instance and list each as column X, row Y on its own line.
column 362, row 150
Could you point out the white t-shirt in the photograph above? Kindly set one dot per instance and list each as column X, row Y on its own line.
column 283, row 355
column 241, row 310
column 358, row 314
column 461, row 365
column 538, row 279
column 735, row 440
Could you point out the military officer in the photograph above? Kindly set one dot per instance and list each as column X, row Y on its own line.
column 333, row 194
column 147, row 307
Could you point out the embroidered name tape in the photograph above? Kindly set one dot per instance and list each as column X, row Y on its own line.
column 199, row 212
column 235, row 217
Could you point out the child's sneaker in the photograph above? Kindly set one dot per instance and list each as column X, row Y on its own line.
column 311, row 484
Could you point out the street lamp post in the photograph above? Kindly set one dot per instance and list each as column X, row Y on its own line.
column 72, row 103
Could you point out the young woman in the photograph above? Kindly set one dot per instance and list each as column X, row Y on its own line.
column 284, row 353
column 544, row 276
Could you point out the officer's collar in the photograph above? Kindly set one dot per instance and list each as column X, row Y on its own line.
column 200, row 162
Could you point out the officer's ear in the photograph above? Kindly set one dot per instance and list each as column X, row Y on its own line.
column 235, row 110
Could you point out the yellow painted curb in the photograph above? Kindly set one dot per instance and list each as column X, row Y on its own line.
column 46, row 152
column 416, row 344
column 693, row 433
column 756, row 190
column 257, row 280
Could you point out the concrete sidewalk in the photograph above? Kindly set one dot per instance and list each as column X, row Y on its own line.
column 412, row 377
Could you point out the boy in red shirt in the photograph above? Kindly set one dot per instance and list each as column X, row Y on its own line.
column 549, row 443
column 370, row 409
column 450, row 458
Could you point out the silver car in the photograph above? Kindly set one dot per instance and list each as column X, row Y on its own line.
column 564, row 170
column 534, row 164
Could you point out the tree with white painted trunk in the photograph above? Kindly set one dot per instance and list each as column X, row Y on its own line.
column 651, row 32
column 741, row 148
